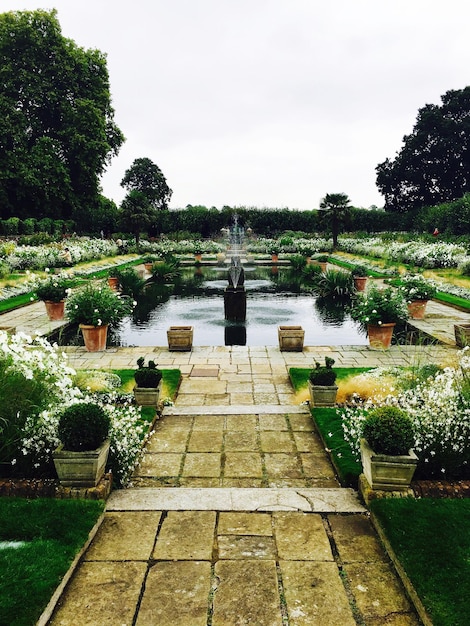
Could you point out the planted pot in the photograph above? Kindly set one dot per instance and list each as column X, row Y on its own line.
column 113, row 282
column 94, row 337
column 291, row 338
column 387, row 472
column 322, row 395
column 148, row 267
column 198, row 257
column 55, row 310
column 180, row 338
column 417, row 309
column 380, row 336
column 81, row 469
column 147, row 396
column 360, row 283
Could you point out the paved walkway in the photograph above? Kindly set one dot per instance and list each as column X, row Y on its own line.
column 235, row 516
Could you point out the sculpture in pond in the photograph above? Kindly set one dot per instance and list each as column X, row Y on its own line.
column 235, row 294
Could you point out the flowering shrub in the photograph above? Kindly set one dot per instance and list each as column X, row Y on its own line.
column 416, row 288
column 439, row 408
column 97, row 305
column 55, row 288
column 379, row 306
column 36, row 384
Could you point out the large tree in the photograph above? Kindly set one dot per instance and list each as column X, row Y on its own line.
column 57, row 132
column 145, row 176
column 433, row 166
column 336, row 208
column 136, row 214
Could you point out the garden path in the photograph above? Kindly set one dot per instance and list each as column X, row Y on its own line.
column 235, row 515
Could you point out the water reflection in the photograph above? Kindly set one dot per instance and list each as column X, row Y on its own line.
column 196, row 298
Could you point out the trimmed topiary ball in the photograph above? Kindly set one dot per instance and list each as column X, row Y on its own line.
column 389, row 430
column 83, row 426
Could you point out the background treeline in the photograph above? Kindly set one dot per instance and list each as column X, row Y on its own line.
column 450, row 218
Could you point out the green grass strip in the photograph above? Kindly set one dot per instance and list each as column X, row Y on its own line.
column 329, row 425
column 171, row 380
column 299, row 375
column 431, row 540
column 53, row 532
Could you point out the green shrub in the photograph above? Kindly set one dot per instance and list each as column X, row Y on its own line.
column 83, row 426
column 389, row 430
column 130, row 283
column 298, row 262
column 359, row 271
column 334, row 284
column 323, row 375
column 148, row 376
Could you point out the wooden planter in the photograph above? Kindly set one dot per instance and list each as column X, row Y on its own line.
column 180, row 338
column 147, row 396
column 462, row 335
column 322, row 395
column 55, row 310
column 291, row 338
column 81, row 469
column 387, row 472
column 417, row 308
column 380, row 337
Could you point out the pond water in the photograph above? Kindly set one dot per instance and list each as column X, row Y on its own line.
column 273, row 299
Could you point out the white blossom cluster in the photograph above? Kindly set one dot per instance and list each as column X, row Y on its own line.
column 440, row 410
column 36, row 358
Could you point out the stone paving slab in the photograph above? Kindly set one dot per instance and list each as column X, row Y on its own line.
column 236, row 499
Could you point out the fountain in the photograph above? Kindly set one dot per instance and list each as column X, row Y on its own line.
column 235, row 294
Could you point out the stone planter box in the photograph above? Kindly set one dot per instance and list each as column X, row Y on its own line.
column 291, row 338
column 322, row 395
column 81, row 469
column 387, row 472
column 147, row 396
column 180, row 338
column 462, row 335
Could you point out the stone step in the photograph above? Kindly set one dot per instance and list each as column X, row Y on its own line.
column 236, row 499
column 240, row 409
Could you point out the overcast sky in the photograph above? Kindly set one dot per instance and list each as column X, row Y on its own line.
column 268, row 103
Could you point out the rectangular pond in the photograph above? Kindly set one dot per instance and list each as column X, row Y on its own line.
column 274, row 298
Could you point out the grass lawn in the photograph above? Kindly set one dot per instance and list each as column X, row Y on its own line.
column 51, row 532
column 432, row 542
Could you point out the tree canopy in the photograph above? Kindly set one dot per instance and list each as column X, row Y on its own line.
column 146, row 177
column 433, row 166
column 57, row 132
column 336, row 207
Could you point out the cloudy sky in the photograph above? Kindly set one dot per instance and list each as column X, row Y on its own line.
column 268, row 103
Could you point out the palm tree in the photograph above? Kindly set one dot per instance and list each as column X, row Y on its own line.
column 337, row 206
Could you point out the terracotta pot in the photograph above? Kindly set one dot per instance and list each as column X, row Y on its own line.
column 94, row 337
column 148, row 267
column 113, row 283
column 198, row 258
column 380, row 337
column 55, row 310
column 274, row 258
column 360, row 283
column 417, row 308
